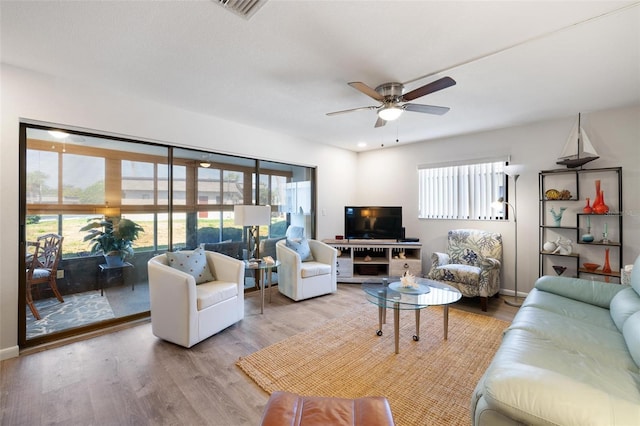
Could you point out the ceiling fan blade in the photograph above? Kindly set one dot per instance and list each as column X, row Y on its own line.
column 428, row 109
column 434, row 86
column 366, row 90
column 380, row 122
column 351, row 110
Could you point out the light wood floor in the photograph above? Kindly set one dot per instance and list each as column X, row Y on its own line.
column 131, row 377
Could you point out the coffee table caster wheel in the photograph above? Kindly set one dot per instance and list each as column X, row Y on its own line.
column 416, row 338
column 379, row 332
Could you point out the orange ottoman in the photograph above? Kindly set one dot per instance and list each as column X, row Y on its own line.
column 285, row 408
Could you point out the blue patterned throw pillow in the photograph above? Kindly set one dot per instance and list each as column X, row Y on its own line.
column 300, row 246
column 193, row 263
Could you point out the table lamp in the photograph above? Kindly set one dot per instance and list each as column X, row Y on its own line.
column 252, row 217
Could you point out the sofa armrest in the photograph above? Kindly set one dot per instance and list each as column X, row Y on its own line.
column 592, row 292
column 535, row 395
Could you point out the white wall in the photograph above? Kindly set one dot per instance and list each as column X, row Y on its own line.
column 389, row 177
column 26, row 95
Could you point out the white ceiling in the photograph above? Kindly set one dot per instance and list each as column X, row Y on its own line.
column 515, row 62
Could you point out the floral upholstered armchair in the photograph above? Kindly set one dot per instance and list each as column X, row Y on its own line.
column 472, row 263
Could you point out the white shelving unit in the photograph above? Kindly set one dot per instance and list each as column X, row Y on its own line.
column 360, row 260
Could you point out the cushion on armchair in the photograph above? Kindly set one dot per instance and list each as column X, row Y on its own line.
column 312, row 269
column 465, row 274
column 193, row 263
column 300, row 246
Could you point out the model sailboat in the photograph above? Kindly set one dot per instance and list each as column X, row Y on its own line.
column 578, row 149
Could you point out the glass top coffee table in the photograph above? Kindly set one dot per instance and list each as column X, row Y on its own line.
column 388, row 293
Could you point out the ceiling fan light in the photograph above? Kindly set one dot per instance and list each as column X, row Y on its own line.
column 389, row 113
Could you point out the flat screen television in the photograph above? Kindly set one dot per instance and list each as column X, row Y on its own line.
column 379, row 223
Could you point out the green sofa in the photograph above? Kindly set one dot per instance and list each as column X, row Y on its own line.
column 570, row 357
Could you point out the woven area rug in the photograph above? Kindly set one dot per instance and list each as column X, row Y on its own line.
column 429, row 382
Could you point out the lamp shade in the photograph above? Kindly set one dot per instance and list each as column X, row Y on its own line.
column 250, row 215
column 513, row 169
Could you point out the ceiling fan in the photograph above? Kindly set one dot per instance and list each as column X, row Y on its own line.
column 392, row 99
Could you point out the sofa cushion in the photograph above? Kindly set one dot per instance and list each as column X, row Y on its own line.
column 465, row 274
column 635, row 275
column 570, row 308
column 548, row 365
column 214, row 292
column 312, row 269
column 268, row 247
column 631, row 333
column 300, row 246
column 193, row 263
column 623, row 305
column 591, row 292
column 228, row 248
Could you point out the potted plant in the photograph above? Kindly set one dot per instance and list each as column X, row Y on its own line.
column 113, row 237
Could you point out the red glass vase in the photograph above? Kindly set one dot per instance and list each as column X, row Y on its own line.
column 599, row 207
column 596, row 200
column 607, row 267
column 587, row 209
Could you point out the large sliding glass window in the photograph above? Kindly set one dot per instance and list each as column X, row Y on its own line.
column 72, row 179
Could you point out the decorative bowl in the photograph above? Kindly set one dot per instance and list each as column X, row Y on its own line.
column 591, row 266
column 552, row 194
column 559, row 269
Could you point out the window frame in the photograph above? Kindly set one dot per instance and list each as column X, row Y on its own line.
column 463, row 190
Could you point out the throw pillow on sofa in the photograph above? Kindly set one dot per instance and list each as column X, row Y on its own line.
column 300, row 246
column 193, row 263
column 228, row 248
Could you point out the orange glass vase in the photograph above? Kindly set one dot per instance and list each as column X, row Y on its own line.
column 599, row 206
column 587, row 209
column 596, row 199
column 607, row 267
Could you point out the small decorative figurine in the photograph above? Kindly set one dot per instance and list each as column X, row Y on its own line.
column 564, row 246
column 549, row 246
column 408, row 280
column 557, row 217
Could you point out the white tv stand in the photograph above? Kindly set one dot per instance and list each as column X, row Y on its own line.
column 385, row 258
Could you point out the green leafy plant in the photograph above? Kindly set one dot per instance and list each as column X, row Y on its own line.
column 112, row 236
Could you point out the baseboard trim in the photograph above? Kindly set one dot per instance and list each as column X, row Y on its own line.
column 508, row 292
column 11, row 352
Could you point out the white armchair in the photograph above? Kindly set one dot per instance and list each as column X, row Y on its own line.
column 185, row 313
column 300, row 280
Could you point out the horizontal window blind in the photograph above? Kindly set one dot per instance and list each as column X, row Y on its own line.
column 462, row 191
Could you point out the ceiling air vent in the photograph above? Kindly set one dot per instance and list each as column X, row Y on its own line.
column 244, row 8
